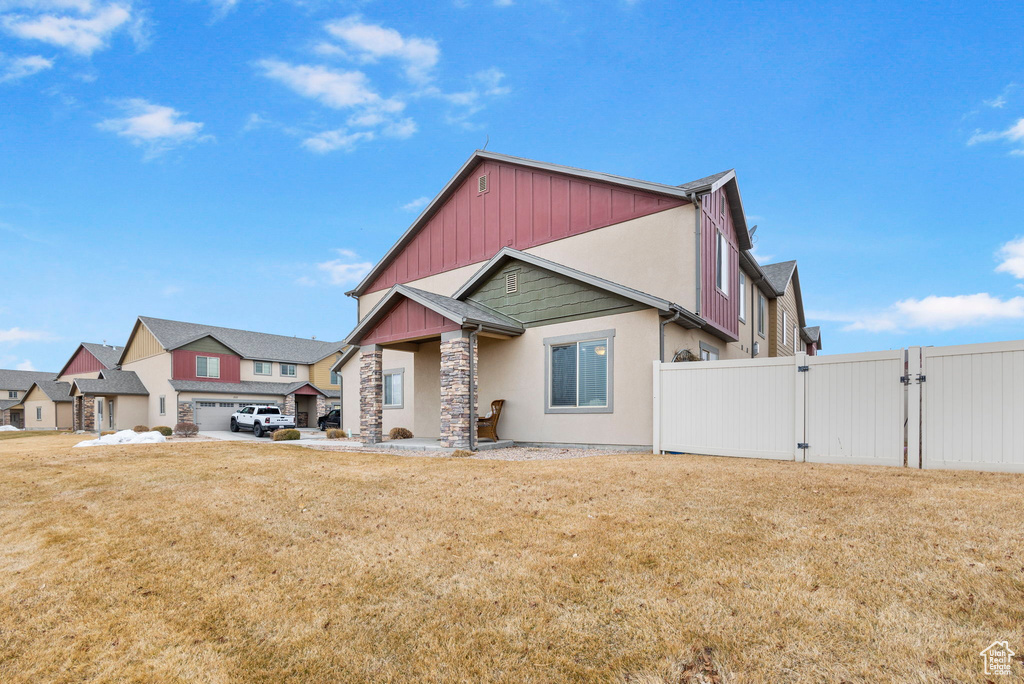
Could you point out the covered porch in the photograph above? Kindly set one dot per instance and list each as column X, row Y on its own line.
column 12, row 412
column 117, row 400
column 443, row 335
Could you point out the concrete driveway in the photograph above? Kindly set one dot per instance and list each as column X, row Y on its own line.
column 242, row 436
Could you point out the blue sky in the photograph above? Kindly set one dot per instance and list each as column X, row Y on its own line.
column 242, row 162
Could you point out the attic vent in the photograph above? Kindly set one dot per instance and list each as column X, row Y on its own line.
column 481, row 184
column 511, row 282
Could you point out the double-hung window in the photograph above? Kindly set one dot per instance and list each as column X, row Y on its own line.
column 762, row 313
column 288, row 370
column 262, row 367
column 12, row 394
column 394, row 389
column 579, row 372
column 743, row 296
column 207, row 367
column 722, row 275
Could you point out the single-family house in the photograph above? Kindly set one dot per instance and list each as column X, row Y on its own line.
column 14, row 385
column 552, row 288
column 173, row 371
column 48, row 404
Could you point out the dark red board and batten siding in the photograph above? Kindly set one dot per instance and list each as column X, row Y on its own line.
column 184, row 366
column 84, row 362
column 521, row 208
column 720, row 310
column 408, row 320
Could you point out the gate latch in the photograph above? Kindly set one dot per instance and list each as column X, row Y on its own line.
column 803, row 445
column 803, row 369
column 921, row 378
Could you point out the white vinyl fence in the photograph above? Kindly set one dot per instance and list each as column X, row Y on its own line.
column 931, row 407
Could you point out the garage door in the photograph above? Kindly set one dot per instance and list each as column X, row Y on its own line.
column 214, row 415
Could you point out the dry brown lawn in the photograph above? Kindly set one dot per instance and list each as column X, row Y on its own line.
column 248, row 562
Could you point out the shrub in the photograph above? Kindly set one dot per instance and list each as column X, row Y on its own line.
column 140, row 428
column 461, row 453
column 186, row 430
column 163, row 430
column 283, row 435
column 335, row 433
column 399, row 433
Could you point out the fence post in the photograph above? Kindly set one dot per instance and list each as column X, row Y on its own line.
column 799, row 410
column 657, row 407
column 913, row 416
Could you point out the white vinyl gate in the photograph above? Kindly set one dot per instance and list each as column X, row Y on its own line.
column 931, row 407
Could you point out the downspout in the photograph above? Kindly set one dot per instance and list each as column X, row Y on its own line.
column 472, row 388
column 696, row 225
column 664, row 322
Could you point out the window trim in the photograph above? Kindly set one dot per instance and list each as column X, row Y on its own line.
column 269, row 366
column 39, row 412
column 705, row 347
column 215, row 377
column 722, row 274
column 743, row 297
column 383, row 375
column 785, row 326
column 163, row 405
column 295, row 367
column 12, row 394
column 762, row 314
column 550, row 342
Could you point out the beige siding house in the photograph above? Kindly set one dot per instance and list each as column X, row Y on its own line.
column 15, row 385
column 553, row 289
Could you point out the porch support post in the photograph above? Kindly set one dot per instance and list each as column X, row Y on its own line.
column 371, row 391
column 88, row 413
column 455, row 389
column 76, row 413
column 289, row 406
column 321, row 408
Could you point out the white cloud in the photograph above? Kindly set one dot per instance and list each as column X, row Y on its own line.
column 25, row 365
column 1013, row 134
column 370, row 42
column 416, row 204
column 171, row 290
column 154, row 127
column 17, row 68
column 80, row 27
column 16, row 335
column 336, row 89
column 932, row 313
column 347, row 270
column 761, row 258
column 340, row 139
column 1012, row 255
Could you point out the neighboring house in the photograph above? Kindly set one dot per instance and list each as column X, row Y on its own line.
column 14, row 385
column 788, row 331
column 203, row 374
column 49, row 405
column 572, row 282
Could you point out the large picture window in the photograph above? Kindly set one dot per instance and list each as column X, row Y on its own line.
column 579, row 372
column 207, row 367
column 394, row 389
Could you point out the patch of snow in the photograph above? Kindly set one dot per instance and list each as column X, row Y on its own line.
column 9, row 428
column 124, row 437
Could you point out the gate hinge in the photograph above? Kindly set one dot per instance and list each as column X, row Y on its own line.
column 803, row 369
column 803, row 445
column 904, row 380
column 921, row 378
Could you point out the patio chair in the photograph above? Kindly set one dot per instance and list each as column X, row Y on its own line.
column 487, row 426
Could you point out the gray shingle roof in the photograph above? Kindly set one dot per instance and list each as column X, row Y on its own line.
column 249, row 345
column 112, row 382
column 106, row 354
column 704, row 182
column 8, row 403
column 778, row 275
column 22, row 380
column 56, row 391
column 243, row 387
column 467, row 310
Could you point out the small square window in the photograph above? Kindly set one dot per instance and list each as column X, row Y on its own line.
column 288, row 370
column 262, row 367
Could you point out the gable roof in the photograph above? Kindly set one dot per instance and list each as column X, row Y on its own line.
column 813, row 334
column 249, row 345
column 111, row 382
column 108, row 355
column 685, row 192
column 463, row 313
column 506, row 254
column 22, row 380
column 778, row 275
column 346, row 355
column 56, row 391
column 8, row 403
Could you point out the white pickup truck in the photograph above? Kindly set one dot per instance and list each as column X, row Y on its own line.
column 260, row 419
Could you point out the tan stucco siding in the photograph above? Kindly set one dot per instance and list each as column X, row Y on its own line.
column 407, row 416
column 37, row 403
column 142, row 345
column 155, row 374
column 130, row 411
column 660, row 259
column 71, row 377
column 781, row 338
column 320, row 372
column 247, row 372
column 5, row 394
column 427, row 419
column 65, row 413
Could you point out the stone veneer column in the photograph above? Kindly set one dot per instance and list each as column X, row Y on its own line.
column 76, row 413
column 186, row 414
column 5, row 417
column 88, row 413
column 455, row 414
column 371, row 394
column 289, row 406
column 321, row 408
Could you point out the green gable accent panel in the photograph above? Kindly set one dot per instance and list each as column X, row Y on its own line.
column 543, row 297
column 208, row 345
